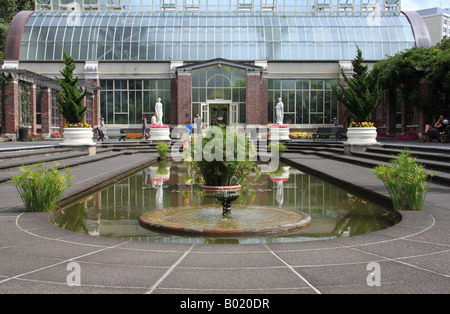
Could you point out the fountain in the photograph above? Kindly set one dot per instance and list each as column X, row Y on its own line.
column 217, row 176
column 196, row 216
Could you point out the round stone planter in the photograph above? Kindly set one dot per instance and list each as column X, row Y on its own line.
column 279, row 134
column 159, row 134
column 362, row 136
column 78, row 137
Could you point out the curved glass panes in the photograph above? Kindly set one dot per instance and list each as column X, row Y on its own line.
column 196, row 36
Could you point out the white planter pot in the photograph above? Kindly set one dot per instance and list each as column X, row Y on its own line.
column 78, row 137
column 154, row 176
column 159, row 134
column 279, row 134
column 362, row 136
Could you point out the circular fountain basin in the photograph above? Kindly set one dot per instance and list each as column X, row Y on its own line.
column 209, row 221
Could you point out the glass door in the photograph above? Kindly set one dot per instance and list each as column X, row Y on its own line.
column 205, row 115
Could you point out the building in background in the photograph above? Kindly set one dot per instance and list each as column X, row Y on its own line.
column 438, row 22
column 230, row 58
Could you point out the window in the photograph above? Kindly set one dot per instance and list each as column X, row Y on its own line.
column 305, row 101
column 125, row 101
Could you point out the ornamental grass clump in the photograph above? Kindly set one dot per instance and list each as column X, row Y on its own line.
column 40, row 188
column 406, row 181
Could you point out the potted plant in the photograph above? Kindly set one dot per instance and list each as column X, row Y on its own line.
column 163, row 150
column 360, row 96
column 222, row 158
column 70, row 104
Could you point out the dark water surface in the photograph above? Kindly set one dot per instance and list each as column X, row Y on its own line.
column 114, row 211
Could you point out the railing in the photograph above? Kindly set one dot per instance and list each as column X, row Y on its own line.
column 284, row 6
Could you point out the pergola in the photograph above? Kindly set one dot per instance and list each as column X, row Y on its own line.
column 10, row 80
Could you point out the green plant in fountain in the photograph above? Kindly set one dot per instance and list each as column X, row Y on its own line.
column 70, row 99
column 163, row 150
column 223, row 157
column 41, row 188
column 406, row 181
column 281, row 148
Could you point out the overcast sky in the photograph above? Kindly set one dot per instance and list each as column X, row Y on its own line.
column 414, row 5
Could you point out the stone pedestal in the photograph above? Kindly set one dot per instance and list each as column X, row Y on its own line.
column 79, row 139
column 159, row 134
column 279, row 133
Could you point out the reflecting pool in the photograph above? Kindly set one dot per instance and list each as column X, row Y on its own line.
column 115, row 210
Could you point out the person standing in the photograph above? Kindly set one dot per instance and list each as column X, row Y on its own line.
column 144, row 127
column 198, row 125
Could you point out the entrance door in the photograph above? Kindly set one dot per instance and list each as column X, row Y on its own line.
column 223, row 113
column 219, row 114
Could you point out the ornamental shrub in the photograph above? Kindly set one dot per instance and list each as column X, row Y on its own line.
column 406, row 181
column 41, row 188
column 70, row 99
column 163, row 150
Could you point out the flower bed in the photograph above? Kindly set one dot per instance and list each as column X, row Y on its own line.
column 408, row 136
column 301, row 135
column 362, row 125
column 158, row 126
column 35, row 137
column 279, row 126
column 56, row 135
column 78, row 125
column 134, row 136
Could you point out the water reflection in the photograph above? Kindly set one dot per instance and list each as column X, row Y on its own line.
column 115, row 210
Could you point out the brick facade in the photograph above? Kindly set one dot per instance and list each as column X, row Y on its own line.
column 10, row 112
column 46, row 112
column 183, row 104
column 257, row 98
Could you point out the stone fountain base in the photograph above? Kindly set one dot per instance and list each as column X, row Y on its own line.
column 241, row 221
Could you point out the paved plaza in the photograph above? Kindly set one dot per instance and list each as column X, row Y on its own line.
column 34, row 254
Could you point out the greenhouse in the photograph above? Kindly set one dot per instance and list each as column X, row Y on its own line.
column 230, row 58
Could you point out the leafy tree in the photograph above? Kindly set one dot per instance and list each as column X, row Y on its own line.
column 407, row 70
column 362, row 93
column 70, row 99
column 8, row 9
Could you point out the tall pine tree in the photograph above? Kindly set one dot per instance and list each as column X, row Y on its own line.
column 70, row 99
column 361, row 95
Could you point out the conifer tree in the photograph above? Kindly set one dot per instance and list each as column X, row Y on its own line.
column 361, row 95
column 70, row 99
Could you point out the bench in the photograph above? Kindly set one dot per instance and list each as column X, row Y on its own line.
column 335, row 131
column 106, row 132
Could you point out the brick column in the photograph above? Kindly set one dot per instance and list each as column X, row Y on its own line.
column 183, row 105
column 10, row 123
column 46, row 111
column 33, row 108
column 257, row 98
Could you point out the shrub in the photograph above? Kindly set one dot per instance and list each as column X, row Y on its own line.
column 281, row 148
column 163, row 150
column 41, row 188
column 405, row 180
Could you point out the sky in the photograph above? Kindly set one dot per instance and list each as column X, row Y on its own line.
column 414, row 5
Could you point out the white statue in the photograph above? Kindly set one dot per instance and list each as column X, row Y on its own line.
column 159, row 112
column 279, row 109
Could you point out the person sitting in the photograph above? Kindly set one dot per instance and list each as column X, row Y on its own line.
column 434, row 131
column 153, row 120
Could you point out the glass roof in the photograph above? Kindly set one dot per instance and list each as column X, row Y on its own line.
column 197, row 36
